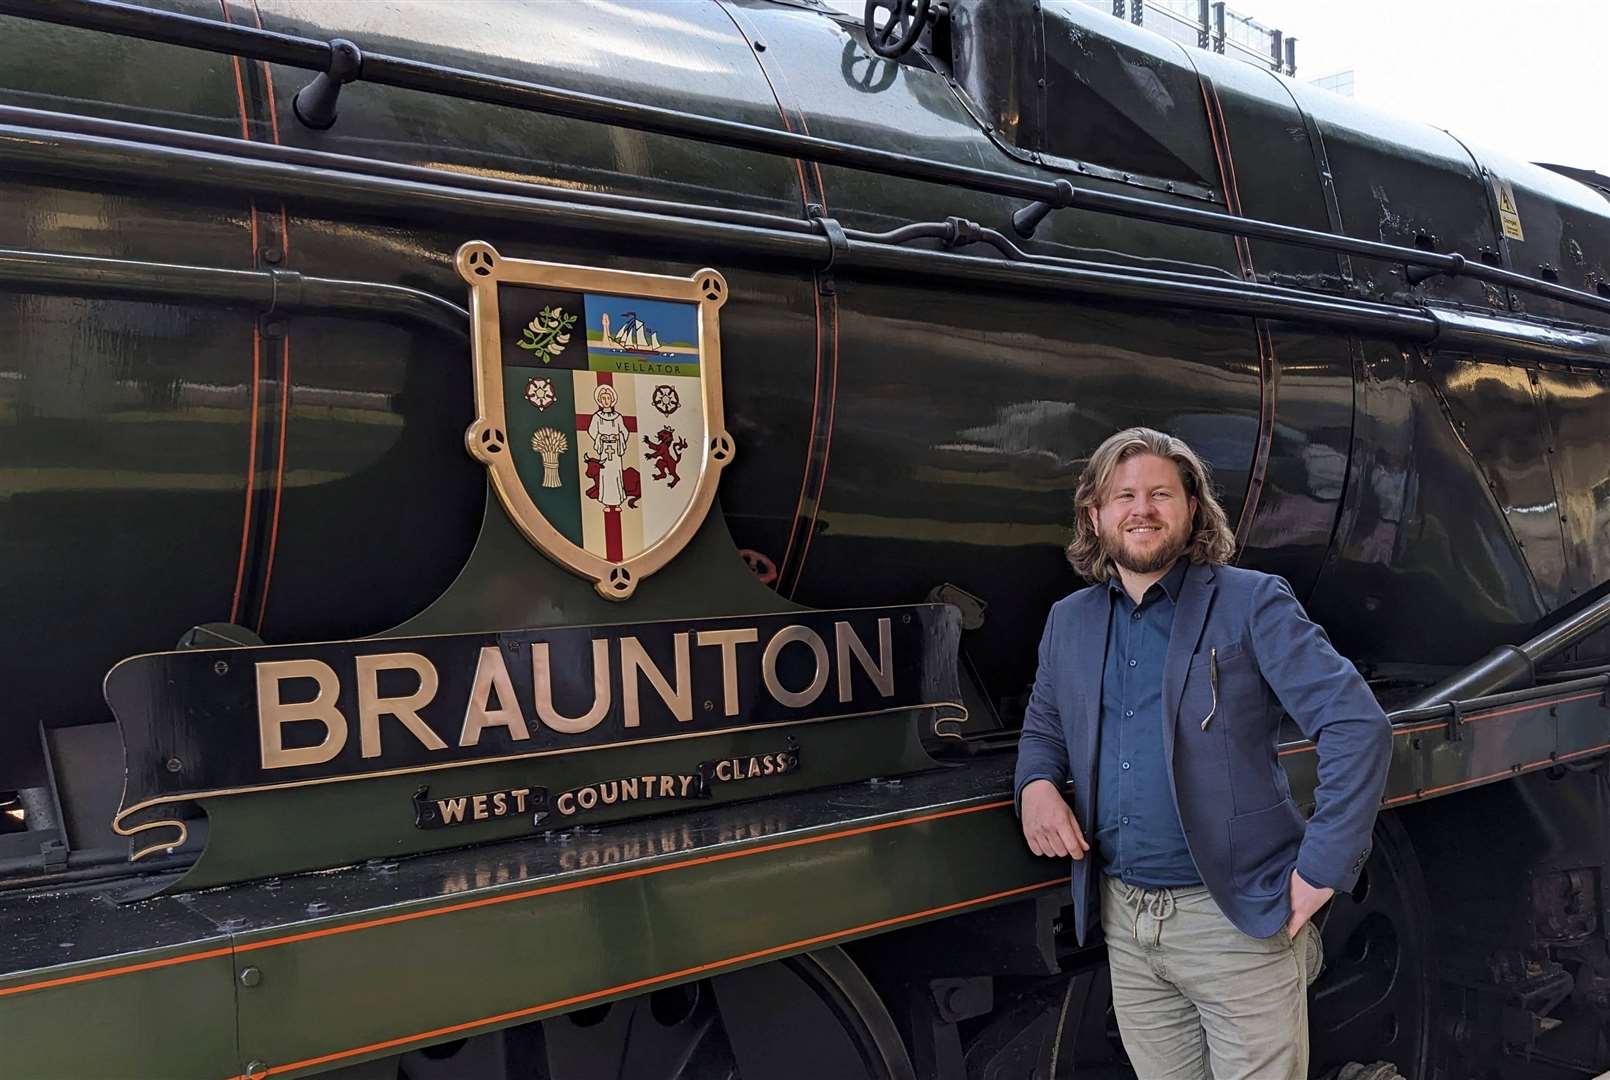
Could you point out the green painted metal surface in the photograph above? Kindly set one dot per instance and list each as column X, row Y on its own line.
column 510, row 955
column 335, row 824
column 151, row 1021
column 613, row 912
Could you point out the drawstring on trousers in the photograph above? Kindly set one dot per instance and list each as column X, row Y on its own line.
column 1158, row 903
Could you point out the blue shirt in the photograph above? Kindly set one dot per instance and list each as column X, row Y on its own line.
column 1138, row 829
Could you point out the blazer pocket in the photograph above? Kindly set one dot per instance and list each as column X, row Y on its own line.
column 1263, row 846
column 1226, row 653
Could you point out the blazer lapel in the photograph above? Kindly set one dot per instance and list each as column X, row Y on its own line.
column 1190, row 616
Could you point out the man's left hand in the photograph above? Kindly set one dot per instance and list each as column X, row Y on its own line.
column 1305, row 900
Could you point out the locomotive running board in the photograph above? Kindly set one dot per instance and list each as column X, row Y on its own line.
column 456, row 943
column 329, row 969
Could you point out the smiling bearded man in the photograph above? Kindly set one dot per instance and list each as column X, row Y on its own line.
column 1159, row 697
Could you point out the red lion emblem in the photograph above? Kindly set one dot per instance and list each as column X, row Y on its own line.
column 666, row 449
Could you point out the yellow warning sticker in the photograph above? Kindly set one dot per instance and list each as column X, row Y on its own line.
column 1508, row 216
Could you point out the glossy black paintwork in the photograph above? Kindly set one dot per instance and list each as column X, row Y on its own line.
column 954, row 424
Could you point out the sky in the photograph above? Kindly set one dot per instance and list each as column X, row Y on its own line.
column 1530, row 78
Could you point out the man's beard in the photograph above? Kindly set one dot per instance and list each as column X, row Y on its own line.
column 1112, row 543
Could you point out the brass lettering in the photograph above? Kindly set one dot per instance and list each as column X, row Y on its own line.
column 565, row 803
column 273, row 713
column 687, row 785
column 768, row 666
column 723, row 770
column 767, row 765
column 847, row 643
column 452, row 810
column 629, row 789
column 519, row 794
column 479, row 804
column 542, row 689
column 728, row 641
column 491, row 674
column 587, row 798
column 371, row 706
column 667, row 786
column 500, row 804
column 609, row 791
column 635, row 660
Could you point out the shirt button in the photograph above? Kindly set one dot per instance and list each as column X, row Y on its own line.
column 1129, row 712
column 1132, row 663
column 1134, row 615
column 1126, row 764
column 1123, row 821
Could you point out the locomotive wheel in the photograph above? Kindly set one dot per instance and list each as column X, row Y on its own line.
column 802, row 1018
column 1375, row 998
column 1373, row 1001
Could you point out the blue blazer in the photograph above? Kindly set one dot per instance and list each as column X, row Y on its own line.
column 1244, row 831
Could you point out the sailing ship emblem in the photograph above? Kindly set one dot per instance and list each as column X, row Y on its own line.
column 605, row 350
column 631, row 335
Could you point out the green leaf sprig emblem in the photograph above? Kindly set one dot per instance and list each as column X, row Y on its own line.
column 548, row 334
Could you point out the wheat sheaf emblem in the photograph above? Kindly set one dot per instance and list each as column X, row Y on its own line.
column 549, row 443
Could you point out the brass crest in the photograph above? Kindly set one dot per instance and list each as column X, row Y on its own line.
column 598, row 408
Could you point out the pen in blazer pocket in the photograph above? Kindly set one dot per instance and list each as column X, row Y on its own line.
column 1213, row 681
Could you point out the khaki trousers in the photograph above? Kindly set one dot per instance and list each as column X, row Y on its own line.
column 1196, row 998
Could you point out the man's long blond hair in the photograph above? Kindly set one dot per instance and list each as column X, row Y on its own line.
column 1212, row 540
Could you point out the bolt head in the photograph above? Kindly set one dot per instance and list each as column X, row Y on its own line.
column 251, row 976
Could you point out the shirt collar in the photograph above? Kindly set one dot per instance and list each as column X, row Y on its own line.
column 1171, row 581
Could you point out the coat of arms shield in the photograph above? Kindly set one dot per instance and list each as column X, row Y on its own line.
column 599, row 418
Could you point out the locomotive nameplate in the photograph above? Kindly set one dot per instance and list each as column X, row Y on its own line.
column 599, row 415
column 546, row 711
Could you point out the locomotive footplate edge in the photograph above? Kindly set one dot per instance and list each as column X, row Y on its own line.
column 325, row 969
column 333, row 968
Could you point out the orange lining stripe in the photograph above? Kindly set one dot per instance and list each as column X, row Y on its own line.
column 89, row 976
column 621, row 875
column 251, row 457
column 1437, row 725
column 240, row 86
column 804, row 201
column 805, row 473
column 509, row 898
column 268, row 81
column 1531, row 706
column 697, row 969
column 285, row 356
column 279, row 473
column 827, row 453
column 1514, row 771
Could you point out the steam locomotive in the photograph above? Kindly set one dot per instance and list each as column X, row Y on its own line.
column 265, row 265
